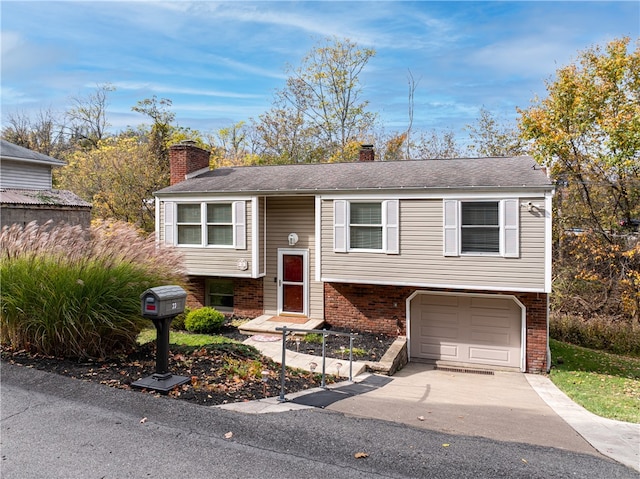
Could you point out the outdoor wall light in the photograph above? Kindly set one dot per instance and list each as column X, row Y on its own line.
column 293, row 239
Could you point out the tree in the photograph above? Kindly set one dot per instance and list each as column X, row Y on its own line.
column 434, row 145
column 161, row 128
column 587, row 130
column 231, row 145
column 393, row 147
column 45, row 133
column 87, row 118
column 283, row 138
column 118, row 177
column 324, row 93
column 490, row 137
column 413, row 84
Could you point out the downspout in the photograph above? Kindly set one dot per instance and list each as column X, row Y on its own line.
column 549, row 265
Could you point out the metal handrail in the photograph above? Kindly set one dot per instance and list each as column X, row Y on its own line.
column 324, row 333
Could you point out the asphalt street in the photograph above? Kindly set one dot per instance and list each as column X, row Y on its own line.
column 57, row 427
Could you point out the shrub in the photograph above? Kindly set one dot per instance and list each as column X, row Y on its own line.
column 314, row 338
column 620, row 337
column 242, row 369
column 204, row 320
column 68, row 292
column 178, row 322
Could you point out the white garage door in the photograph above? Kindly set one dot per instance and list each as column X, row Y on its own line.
column 466, row 329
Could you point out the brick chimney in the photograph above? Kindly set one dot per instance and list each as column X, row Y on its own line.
column 367, row 153
column 185, row 158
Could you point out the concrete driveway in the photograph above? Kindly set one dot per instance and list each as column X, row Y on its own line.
column 502, row 406
column 57, row 427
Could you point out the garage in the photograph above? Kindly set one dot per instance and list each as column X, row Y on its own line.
column 466, row 330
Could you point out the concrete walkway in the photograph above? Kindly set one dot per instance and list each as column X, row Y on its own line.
column 506, row 406
column 271, row 346
column 617, row 439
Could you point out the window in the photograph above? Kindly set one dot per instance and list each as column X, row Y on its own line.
column 370, row 226
column 220, row 294
column 479, row 227
column 219, row 224
column 189, row 224
column 205, row 224
column 365, row 225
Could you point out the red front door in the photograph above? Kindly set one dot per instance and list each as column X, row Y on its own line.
column 292, row 284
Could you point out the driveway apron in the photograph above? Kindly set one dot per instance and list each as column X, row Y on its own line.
column 502, row 406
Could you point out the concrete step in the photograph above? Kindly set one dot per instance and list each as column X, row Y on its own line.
column 334, row 366
column 267, row 324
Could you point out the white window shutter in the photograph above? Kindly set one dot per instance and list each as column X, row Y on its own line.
column 340, row 226
column 391, row 226
column 239, row 225
column 450, row 227
column 510, row 229
column 169, row 223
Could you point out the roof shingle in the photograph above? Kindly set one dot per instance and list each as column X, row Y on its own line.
column 14, row 152
column 460, row 173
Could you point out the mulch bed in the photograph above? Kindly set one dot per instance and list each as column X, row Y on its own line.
column 337, row 346
column 218, row 374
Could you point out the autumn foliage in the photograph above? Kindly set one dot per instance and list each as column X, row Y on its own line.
column 587, row 130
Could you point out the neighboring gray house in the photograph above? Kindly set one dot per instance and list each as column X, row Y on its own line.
column 26, row 192
column 455, row 254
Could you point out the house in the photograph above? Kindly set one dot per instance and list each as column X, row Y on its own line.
column 455, row 254
column 27, row 194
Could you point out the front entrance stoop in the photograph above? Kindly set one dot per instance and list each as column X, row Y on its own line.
column 267, row 324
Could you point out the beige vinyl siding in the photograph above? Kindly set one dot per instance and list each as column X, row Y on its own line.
column 421, row 259
column 212, row 261
column 26, row 176
column 286, row 215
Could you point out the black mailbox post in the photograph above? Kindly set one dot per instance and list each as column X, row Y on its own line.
column 161, row 305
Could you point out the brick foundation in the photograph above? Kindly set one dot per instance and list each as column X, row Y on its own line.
column 247, row 295
column 196, row 292
column 536, row 304
column 382, row 309
column 367, row 308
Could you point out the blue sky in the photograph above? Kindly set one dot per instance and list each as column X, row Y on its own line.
column 220, row 62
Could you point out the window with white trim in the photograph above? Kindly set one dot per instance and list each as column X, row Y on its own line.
column 481, row 227
column 220, row 294
column 365, row 226
column 370, row 226
column 189, row 224
column 218, row 224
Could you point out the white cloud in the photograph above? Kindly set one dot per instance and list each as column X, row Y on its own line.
column 157, row 88
column 20, row 57
column 13, row 96
column 526, row 56
column 10, row 41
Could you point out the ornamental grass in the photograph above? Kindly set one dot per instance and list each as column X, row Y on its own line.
column 71, row 292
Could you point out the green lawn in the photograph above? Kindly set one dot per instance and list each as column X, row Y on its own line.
column 605, row 384
column 184, row 339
